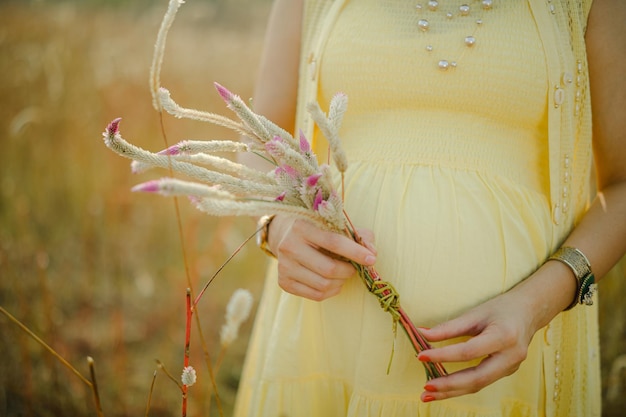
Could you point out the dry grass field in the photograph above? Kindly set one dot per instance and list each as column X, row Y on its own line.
column 95, row 270
column 91, row 268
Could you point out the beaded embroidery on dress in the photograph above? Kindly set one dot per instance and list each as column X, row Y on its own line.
column 470, row 13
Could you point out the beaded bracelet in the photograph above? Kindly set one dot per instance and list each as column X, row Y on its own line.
column 585, row 280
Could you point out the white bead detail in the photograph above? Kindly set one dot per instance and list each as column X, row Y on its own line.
column 431, row 19
column 557, row 360
column 556, row 214
column 559, row 97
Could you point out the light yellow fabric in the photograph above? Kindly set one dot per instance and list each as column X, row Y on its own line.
column 455, row 174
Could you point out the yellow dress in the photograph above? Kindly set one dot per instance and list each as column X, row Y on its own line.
column 450, row 170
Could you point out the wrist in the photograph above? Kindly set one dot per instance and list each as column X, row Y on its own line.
column 547, row 292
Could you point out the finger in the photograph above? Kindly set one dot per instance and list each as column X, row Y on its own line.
column 314, row 280
column 306, row 283
column 468, row 324
column 335, row 243
column 300, row 280
column 477, row 347
column 469, row 380
column 310, row 258
column 302, row 290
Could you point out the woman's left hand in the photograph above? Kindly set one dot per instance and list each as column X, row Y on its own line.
column 500, row 331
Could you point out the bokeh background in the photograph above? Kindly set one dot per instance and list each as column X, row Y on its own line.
column 98, row 271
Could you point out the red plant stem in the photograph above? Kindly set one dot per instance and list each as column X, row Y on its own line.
column 435, row 368
column 185, row 262
column 432, row 370
column 442, row 371
column 187, row 342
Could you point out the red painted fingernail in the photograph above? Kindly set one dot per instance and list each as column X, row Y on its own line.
column 424, row 357
column 430, row 388
column 428, row 398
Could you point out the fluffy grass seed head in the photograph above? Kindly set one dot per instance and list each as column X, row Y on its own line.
column 237, row 311
column 337, row 108
column 159, row 49
column 330, row 128
column 189, row 376
column 174, row 187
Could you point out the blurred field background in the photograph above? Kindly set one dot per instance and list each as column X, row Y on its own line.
column 97, row 271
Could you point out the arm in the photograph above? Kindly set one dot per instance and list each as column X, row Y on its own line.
column 309, row 259
column 504, row 326
column 276, row 88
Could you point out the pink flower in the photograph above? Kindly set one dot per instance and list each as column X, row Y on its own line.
column 113, row 127
column 172, row 150
column 224, row 93
column 273, row 147
column 319, row 199
column 147, row 187
column 281, row 197
column 305, row 147
column 286, row 169
column 313, row 179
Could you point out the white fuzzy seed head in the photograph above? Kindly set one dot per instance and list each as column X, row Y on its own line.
column 237, row 311
column 189, row 376
column 239, row 306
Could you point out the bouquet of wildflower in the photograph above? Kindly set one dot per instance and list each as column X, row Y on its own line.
column 297, row 185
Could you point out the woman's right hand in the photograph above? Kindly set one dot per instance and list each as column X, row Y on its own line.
column 312, row 262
